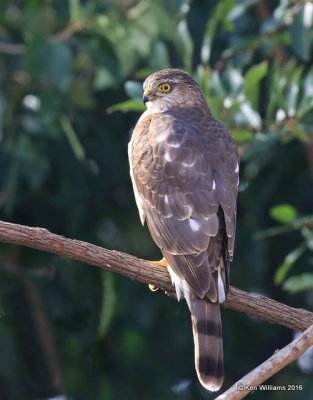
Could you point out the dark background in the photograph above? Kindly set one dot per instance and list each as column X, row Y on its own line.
column 70, row 90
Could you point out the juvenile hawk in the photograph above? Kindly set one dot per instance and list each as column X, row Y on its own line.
column 184, row 168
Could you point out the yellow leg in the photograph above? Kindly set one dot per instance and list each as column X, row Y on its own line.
column 161, row 263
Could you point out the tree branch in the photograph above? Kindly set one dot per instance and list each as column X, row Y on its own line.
column 271, row 366
column 62, row 36
column 12, row 48
column 145, row 272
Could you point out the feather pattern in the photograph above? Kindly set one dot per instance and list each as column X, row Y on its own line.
column 207, row 333
column 184, row 168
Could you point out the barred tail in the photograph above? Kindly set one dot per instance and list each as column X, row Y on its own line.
column 207, row 335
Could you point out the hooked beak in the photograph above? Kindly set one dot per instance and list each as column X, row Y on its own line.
column 146, row 96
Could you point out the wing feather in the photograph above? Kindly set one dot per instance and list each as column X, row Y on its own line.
column 186, row 173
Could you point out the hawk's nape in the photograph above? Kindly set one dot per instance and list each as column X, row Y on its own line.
column 184, row 168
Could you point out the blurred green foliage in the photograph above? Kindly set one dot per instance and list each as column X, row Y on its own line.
column 70, row 94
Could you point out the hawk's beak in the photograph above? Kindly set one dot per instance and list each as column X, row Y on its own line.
column 146, row 96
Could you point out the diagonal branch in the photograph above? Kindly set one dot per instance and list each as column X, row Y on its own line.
column 145, row 272
column 251, row 382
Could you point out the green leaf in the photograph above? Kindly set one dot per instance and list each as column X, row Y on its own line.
column 293, row 92
column 241, row 136
column 103, row 79
column 299, row 283
column 217, row 85
column 186, row 43
column 306, row 100
column 284, row 213
column 128, row 105
column 32, row 61
column 280, row 92
column 234, row 78
column 58, row 64
column 134, row 89
column 252, row 80
column 307, row 233
column 240, row 9
column 75, row 11
column 108, row 303
column 249, row 116
column 44, row 59
column 282, row 272
column 301, row 38
column 73, row 139
column 305, row 109
column 213, row 22
column 159, row 57
column 297, row 224
column 288, row 262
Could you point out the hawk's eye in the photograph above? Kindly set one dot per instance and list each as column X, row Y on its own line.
column 165, row 87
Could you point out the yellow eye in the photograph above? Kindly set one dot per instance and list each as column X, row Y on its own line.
column 165, row 87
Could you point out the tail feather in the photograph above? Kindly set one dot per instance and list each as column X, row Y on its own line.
column 207, row 334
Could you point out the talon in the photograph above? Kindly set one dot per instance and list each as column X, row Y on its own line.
column 153, row 288
column 170, row 294
column 161, row 263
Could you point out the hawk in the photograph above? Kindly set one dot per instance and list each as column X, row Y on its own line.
column 184, row 168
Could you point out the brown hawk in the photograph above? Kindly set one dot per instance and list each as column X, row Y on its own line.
column 184, row 168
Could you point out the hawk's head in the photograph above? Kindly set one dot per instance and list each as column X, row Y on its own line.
column 170, row 88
